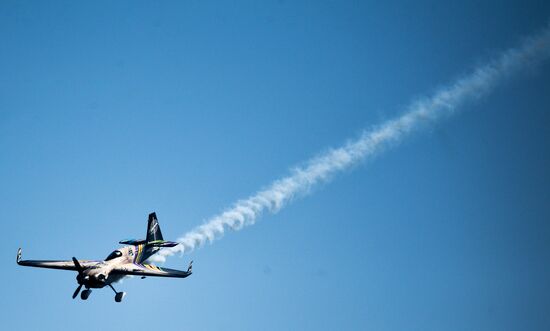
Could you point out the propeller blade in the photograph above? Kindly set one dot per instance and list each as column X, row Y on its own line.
column 77, row 291
column 77, row 265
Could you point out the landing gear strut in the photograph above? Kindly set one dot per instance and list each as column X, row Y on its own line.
column 118, row 295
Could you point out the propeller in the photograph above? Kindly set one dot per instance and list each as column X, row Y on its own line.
column 77, row 291
column 79, row 278
column 77, row 265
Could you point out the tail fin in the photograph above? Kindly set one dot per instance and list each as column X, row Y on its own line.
column 153, row 229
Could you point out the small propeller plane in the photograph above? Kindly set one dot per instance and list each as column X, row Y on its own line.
column 122, row 262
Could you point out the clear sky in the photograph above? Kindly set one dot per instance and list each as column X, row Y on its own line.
column 111, row 110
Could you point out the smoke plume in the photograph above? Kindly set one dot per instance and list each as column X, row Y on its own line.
column 320, row 169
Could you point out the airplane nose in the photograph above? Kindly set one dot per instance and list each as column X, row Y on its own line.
column 82, row 279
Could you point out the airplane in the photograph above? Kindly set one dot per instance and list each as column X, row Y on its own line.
column 127, row 260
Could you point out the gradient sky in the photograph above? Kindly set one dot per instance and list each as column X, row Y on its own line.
column 111, row 110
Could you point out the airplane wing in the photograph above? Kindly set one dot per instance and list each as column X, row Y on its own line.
column 150, row 270
column 54, row 264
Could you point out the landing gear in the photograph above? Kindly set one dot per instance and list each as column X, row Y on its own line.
column 118, row 295
column 85, row 294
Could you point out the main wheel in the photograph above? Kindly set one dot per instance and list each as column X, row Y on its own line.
column 119, row 296
column 85, row 294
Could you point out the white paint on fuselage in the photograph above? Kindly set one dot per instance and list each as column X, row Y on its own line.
column 105, row 268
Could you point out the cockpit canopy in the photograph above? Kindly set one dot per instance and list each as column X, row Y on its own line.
column 114, row 255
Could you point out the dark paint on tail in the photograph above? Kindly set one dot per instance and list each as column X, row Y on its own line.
column 154, row 237
column 153, row 229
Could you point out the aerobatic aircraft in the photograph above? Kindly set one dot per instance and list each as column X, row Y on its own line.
column 122, row 262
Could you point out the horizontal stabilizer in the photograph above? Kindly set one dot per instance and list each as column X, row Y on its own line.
column 154, row 236
column 132, row 242
column 162, row 243
column 156, row 243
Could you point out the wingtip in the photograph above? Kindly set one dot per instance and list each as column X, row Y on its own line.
column 19, row 255
column 190, row 267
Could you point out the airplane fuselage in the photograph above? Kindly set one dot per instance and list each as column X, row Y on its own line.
column 99, row 275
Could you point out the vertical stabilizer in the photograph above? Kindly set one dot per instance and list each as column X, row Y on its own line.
column 153, row 229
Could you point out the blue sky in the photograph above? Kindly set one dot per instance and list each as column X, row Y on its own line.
column 109, row 111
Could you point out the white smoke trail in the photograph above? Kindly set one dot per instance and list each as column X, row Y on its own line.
column 321, row 168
